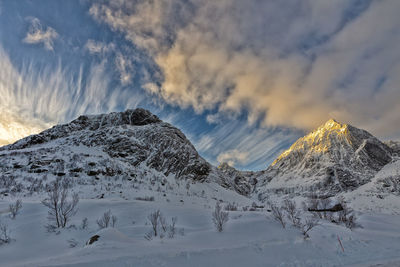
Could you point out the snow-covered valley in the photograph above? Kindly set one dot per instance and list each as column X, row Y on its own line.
column 251, row 238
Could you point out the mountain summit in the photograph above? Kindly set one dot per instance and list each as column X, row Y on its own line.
column 333, row 158
column 319, row 141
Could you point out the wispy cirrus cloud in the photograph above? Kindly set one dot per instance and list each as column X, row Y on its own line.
column 245, row 146
column 125, row 68
column 39, row 34
column 123, row 64
column 291, row 63
column 33, row 99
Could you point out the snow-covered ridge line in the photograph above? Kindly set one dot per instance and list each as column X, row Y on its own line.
column 137, row 117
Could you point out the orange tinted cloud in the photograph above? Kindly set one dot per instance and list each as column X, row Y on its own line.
column 291, row 63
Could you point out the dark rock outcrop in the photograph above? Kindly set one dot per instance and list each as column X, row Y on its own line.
column 92, row 239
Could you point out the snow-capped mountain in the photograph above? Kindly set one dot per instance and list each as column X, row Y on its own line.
column 334, row 158
column 130, row 144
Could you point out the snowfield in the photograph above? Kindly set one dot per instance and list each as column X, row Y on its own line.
column 251, row 238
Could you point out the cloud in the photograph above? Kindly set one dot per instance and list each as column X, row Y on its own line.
column 33, row 98
column 13, row 127
column 262, row 145
column 125, row 68
column 99, row 47
column 37, row 34
column 232, row 157
column 122, row 62
column 154, row 22
column 291, row 63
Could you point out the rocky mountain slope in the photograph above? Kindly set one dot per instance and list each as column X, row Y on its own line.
column 334, row 158
column 131, row 144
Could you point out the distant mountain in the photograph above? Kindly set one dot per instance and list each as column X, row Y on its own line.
column 336, row 157
column 242, row 181
column 127, row 144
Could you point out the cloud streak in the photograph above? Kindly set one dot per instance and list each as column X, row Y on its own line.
column 291, row 63
column 245, row 146
column 33, row 99
column 125, row 69
column 101, row 48
column 37, row 34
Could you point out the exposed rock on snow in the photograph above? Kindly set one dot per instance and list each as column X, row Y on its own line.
column 92, row 239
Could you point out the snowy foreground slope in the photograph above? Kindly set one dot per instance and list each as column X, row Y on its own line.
column 251, row 238
column 132, row 164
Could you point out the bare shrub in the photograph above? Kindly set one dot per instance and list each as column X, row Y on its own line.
column 36, row 185
column 84, row 224
column 163, row 223
column 219, row 217
column 309, row 224
column 5, row 237
column 351, row 221
column 107, row 220
column 160, row 227
column 291, row 211
column 60, row 209
column 154, row 218
column 7, row 182
column 278, row 214
column 326, row 204
column 172, row 227
column 346, row 216
column 14, row 208
column 231, row 207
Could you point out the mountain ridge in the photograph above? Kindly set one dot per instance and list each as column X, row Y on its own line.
column 333, row 158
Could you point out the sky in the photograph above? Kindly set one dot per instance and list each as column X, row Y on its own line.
column 242, row 79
